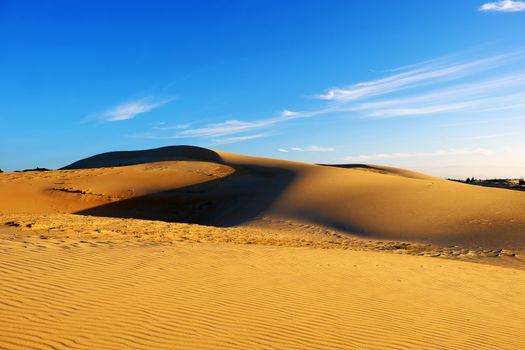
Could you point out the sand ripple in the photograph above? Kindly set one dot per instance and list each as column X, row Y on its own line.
column 67, row 294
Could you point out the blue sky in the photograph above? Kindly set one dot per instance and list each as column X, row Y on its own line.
column 435, row 86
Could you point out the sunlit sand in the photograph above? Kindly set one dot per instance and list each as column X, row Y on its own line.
column 187, row 248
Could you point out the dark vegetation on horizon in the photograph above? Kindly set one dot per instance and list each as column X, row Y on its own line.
column 512, row 184
column 34, row 169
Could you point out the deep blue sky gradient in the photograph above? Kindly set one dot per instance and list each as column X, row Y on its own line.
column 64, row 63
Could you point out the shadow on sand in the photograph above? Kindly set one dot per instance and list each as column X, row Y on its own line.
column 224, row 202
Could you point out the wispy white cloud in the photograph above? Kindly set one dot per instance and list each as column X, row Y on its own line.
column 172, row 127
column 442, row 85
column 315, row 148
column 130, row 110
column 489, row 136
column 500, row 163
column 437, row 153
column 287, row 113
column 410, row 111
column 484, row 121
column 420, row 75
column 312, row 148
column 230, row 127
column 504, row 6
column 221, row 140
column 495, row 93
column 479, row 95
column 235, row 139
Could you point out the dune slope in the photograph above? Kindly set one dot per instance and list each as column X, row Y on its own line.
column 191, row 184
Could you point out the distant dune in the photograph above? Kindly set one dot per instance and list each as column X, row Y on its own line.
column 387, row 170
column 196, row 185
column 120, row 158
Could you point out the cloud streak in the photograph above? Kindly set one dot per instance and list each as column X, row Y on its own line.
column 504, row 6
column 228, row 127
column 437, row 153
column 130, row 110
column 231, row 127
column 235, row 139
column 489, row 94
column 437, row 86
column 490, row 136
column 172, row 127
column 435, row 71
column 312, row 148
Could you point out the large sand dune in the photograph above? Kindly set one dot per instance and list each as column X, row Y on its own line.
column 190, row 184
column 108, row 253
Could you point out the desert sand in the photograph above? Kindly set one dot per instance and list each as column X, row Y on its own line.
column 188, row 248
column 190, row 184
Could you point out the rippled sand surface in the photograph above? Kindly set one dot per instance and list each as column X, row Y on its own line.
column 111, row 291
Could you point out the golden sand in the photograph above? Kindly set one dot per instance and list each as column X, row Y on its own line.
column 186, row 248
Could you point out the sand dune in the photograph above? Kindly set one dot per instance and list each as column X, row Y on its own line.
column 87, row 294
column 75, row 190
column 110, row 253
column 190, row 184
column 387, row 170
